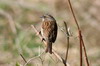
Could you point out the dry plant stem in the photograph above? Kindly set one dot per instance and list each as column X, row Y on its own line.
column 41, row 60
column 30, row 60
column 85, row 52
column 60, row 58
column 33, row 59
column 80, row 49
column 67, row 49
column 23, row 58
column 54, row 52
column 80, row 36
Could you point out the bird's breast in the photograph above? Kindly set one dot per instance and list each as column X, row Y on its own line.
column 47, row 25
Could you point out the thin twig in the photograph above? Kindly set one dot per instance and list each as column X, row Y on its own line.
column 32, row 59
column 86, row 57
column 42, row 61
column 67, row 49
column 81, row 59
column 60, row 58
column 54, row 52
column 23, row 58
column 71, row 9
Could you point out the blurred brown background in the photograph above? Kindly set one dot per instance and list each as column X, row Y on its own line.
column 16, row 35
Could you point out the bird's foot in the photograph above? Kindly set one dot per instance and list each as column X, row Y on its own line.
column 38, row 33
column 42, row 39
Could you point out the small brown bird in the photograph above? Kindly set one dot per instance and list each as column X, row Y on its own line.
column 49, row 31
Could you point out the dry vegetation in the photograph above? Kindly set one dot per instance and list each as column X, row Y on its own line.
column 17, row 37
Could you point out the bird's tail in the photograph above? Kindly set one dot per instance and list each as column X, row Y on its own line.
column 49, row 47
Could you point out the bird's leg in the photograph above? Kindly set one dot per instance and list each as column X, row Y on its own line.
column 42, row 39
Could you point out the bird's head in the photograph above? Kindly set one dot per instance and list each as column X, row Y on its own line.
column 47, row 17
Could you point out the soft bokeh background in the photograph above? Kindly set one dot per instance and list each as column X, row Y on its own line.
column 16, row 35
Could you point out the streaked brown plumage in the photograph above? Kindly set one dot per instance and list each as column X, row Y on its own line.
column 49, row 31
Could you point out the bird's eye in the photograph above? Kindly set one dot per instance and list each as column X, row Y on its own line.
column 44, row 16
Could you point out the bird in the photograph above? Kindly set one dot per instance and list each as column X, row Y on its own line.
column 48, row 31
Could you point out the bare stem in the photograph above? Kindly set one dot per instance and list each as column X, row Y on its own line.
column 71, row 9
column 30, row 60
column 86, row 57
column 67, row 49
column 23, row 58
column 81, row 59
column 80, row 37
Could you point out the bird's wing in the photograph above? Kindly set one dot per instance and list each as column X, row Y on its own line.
column 49, row 31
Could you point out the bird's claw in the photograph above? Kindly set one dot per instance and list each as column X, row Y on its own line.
column 38, row 33
column 42, row 39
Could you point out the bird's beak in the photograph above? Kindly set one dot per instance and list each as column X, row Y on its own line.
column 42, row 16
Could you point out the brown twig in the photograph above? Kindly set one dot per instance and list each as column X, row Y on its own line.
column 80, row 36
column 23, row 58
column 67, row 49
column 54, row 52
column 85, row 52
column 81, row 59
